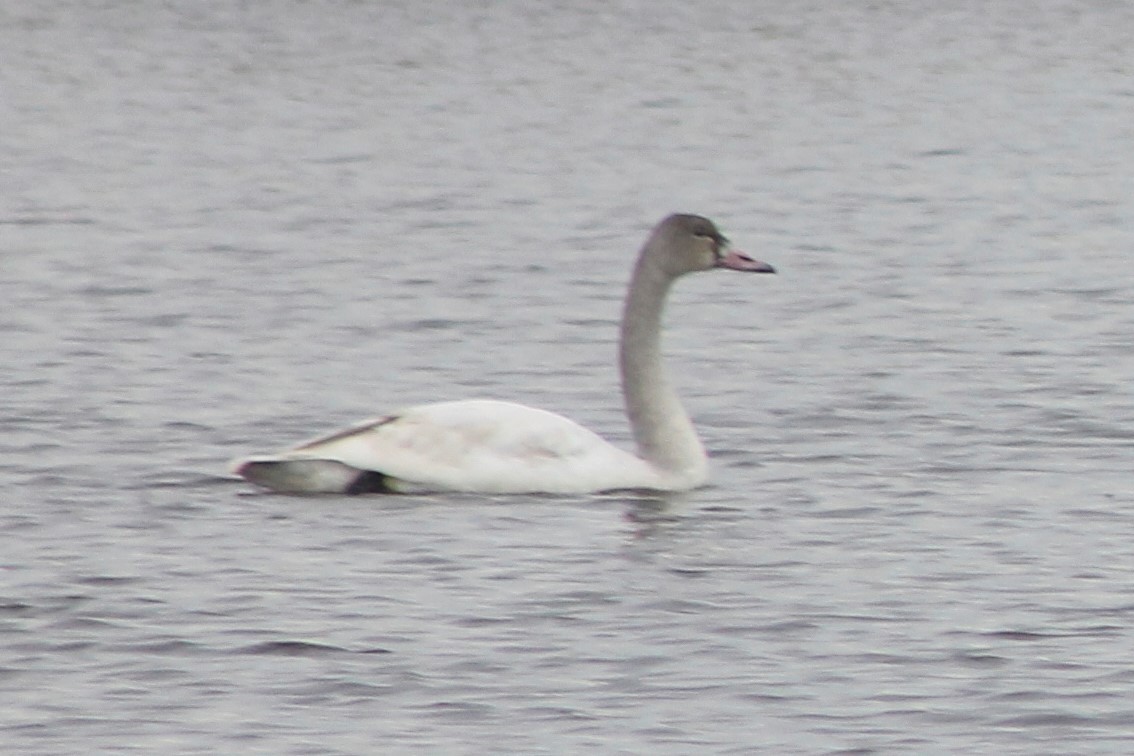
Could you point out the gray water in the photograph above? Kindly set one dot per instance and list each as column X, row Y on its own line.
column 226, row 227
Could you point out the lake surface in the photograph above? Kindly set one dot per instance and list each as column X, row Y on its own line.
column 227, row 227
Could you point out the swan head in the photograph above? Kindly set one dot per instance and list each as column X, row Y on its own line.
column 684, row 243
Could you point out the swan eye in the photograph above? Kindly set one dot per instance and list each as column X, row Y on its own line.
column 702, row 229
column 718, row 242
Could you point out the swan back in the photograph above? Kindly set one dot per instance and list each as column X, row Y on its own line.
column 479, row 445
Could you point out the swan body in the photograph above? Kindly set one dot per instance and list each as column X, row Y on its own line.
column 490, row 446
column 481, row 445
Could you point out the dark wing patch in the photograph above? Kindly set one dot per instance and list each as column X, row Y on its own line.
column 370, row 481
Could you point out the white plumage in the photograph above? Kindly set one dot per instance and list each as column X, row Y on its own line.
column 490, row 446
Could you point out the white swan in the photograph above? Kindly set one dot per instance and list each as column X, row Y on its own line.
column 491, row 446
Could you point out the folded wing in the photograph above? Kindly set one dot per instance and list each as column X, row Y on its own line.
column 478, row 445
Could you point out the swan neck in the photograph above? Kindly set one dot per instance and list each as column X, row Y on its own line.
column 662, row 430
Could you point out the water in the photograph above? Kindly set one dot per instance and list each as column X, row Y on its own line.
column 225, row 229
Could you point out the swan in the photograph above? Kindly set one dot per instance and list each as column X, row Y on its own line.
column 497, row 447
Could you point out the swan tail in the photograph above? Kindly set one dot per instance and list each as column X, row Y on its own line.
column 313, row 476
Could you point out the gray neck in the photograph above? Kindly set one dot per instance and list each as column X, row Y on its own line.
column 664, row 434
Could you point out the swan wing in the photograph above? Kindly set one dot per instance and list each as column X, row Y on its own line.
column 477, row 445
